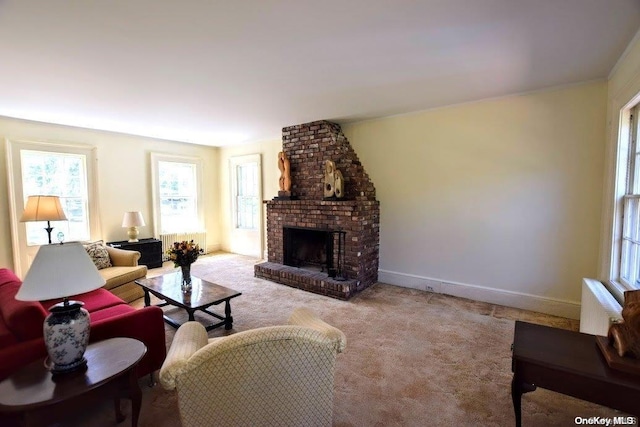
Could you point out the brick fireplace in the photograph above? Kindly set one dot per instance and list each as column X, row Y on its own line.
column 328, row 247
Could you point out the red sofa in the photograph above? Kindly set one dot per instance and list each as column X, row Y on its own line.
column 21, row 340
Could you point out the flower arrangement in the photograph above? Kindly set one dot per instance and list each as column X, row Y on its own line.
column 184, row 253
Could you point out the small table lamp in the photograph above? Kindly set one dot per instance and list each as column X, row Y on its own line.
column 133, row 220
column 43, row 208
column 60, row 271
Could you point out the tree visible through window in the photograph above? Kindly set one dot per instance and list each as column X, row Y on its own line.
column 178, row 192
column 57, row 174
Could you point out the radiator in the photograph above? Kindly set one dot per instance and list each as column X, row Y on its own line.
column 168, row 239
column 599, row 309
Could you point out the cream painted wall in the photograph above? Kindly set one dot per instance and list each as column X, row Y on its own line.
column 497, row 200
column 270, row 175
column 124, row 176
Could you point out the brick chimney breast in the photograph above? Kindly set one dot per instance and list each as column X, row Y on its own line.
column 356, row 217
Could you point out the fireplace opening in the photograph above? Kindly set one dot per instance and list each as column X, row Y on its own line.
column 309, row 248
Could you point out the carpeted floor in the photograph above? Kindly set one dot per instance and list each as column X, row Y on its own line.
column 413, row 358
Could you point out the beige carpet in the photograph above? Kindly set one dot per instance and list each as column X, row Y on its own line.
column 413, row 358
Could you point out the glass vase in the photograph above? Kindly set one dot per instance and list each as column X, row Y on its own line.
column 186, row 277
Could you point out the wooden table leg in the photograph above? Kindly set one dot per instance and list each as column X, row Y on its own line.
column 516, row 397
column 136, row 397
column 228, row 320
column 518, row 388
column 120, row 416
column 147, row 298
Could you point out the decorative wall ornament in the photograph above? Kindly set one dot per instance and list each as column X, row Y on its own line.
column 333, row 181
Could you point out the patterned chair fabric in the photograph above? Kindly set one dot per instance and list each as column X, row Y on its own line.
column 271, row 376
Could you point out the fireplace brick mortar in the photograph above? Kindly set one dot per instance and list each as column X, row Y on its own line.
column 308, row 146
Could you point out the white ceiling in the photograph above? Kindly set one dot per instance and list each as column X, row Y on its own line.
column 220, row 72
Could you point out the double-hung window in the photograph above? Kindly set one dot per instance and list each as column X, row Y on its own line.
column 177, row 194
column 66, row 170
column 247, row 203
column 57, row 174
column 630, row 237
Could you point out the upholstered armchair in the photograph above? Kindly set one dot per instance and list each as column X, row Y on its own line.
column 271, row 376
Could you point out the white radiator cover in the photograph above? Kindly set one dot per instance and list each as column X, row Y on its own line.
column 168, row 239
column 599, row 309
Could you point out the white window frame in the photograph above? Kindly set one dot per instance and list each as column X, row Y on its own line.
column 234, row 163
column 156, row 158
column 621, row 180
column 629, row 259
column 16, row 198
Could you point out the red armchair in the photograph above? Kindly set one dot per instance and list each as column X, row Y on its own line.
column 21, row 340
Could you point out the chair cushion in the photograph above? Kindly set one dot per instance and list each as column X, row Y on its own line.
column 116, row 276
column 98, row 254
column 110, row 312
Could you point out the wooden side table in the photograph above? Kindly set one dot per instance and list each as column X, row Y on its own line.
column 35, row 397
column 570, row 363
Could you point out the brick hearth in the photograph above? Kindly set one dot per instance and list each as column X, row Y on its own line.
column 308, row 146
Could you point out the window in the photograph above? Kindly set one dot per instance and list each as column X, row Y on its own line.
column 177, row 201
column 630, row 241
column 246, row 197
column 63, row 169
column 57, row 174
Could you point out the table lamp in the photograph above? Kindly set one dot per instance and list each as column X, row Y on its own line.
column 43, row 208
column 133, row 220
column 60, row 271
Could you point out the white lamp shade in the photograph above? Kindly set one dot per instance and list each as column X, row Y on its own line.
column 60, row 271
column 132, row 219
column 43, row 208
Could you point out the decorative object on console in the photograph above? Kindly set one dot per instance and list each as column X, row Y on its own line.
column 183, row 254
column 43, row 208
column 625, row 336
column 333, row 181
column 621, row 347
column 59, row 271
column 133, row 220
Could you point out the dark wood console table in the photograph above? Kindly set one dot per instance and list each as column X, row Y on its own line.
column 150, row 250
column 570, row 363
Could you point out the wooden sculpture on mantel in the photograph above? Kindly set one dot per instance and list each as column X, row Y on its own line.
column 625, row 336
column 333, row 181
column 285, row 175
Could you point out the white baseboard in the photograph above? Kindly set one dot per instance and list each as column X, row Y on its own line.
column 553, row 306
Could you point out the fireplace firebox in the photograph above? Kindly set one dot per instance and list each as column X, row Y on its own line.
column 314, row 249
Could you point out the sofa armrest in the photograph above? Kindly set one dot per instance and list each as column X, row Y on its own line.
column 145, row 324
column 189, row 338
column 305, row 317
column 122, row 257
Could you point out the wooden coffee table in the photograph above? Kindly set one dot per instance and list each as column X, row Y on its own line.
column 34, row 396
column 571, row 363
column 203, row 295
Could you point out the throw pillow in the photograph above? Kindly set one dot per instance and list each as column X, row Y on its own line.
column 98, row 254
